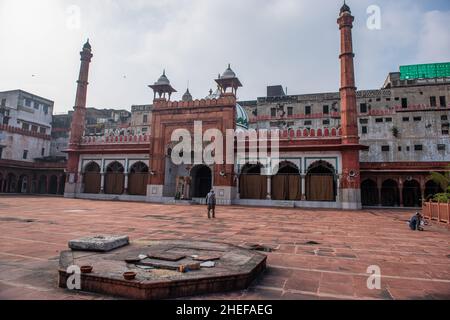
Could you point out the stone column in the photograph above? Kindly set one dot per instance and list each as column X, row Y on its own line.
column 269, row 187
column 338, row 187
column 303, row 183
column 102, row 183
column 400, row 188
column 125, row 187
column 379, row 186
column 238, row 190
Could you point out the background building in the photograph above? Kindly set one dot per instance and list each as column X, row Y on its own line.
column 27, row 164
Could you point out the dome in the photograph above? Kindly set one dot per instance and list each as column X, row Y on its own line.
column 242, row 121
column 163, row 80
column 213, row 95
column 187, row 96
column 228, row 74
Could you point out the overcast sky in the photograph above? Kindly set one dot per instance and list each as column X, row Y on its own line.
column 294, row 43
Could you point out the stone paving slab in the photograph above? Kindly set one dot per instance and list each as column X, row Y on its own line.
column 319, row 254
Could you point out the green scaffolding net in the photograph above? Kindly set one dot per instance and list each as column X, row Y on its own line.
column 425, row 71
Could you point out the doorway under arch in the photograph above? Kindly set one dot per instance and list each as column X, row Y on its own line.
column 138, row 179
column 53, row 187
column 286, row 184
column 201, row 181
column 390, row 195
column 42, row 186
column 320, row 182
column 252, row 185
column 369, row 193
column 114, row 178
column 411, row 194
column 92, row 178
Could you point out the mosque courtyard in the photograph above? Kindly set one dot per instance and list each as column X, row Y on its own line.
column 315, row 254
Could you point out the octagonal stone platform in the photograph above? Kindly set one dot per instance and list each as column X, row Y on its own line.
column 235, row 269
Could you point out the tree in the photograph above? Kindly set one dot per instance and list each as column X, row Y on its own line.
column 442, row 179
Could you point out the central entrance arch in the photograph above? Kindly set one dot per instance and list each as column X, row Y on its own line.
column 201, row 181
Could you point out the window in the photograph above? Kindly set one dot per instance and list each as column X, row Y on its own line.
column 444, row 118
column 363, row 108
column 399, row 148
column 364, row 121
column 28, row 102
column 408, row 148
column 307, row 110
column 418, row 147
column 144, row 130
column 3, row 102
column 388, row 99
column 326, row 110
column 36, row 105
column 273, row 112
column 385, row 148
column 442, row 101
column 42, row 130
column 364, row 130
column 417, row 119
column 308, row 123
column 25, row 126
column 445, row 129
column 45, row 108
column 433, row 101
column 404, row 103
column 397, row 99
column 378, row 120
column 42, row 152
column 326, row 122
column 5, row 120
column 388, row 119
column 34, row 128
column 145, row 118
column 378, row 99
column 405, row 119
column 441, row 147
column 290, row 111
column 25, row 154
column 1, row 153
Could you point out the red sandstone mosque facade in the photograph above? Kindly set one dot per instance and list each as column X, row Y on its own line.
column 318, row 167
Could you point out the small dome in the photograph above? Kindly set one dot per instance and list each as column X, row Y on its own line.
column 213, row 95
column 87, row 45
column 242, row 121
column 163, row 80
column 228, row 74
column 187, row 96
column 345, row 8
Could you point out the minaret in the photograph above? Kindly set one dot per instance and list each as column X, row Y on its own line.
column 350, row 192
column 349, row 115
column 79, row 115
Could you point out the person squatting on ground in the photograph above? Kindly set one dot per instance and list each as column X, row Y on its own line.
column 211, row 203
column 416, row 222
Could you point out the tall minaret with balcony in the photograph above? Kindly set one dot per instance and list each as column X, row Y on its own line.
column 78, row 118
column 350, row 193
column 348, row 88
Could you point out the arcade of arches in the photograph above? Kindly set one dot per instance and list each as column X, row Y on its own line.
column 115, row 180
column 32, row 182
column 319, row 183
column 397, row 192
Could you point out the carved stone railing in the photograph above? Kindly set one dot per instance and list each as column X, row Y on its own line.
column 130, row 139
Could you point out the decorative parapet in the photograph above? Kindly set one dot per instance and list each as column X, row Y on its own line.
column 131, row 139
column 10, row 129
column 222, row 101
column 292, row 134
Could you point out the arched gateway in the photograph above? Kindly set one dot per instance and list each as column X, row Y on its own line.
column 201, row 176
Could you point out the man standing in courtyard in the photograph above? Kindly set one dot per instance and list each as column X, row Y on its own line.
column 211, row 203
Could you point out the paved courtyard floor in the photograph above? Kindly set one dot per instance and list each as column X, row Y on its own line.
column 319, row 254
